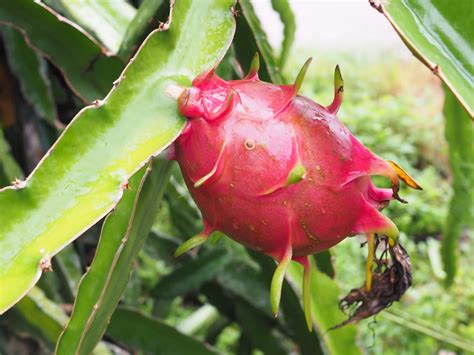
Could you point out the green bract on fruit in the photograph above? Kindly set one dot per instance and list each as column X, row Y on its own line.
column 279, row 172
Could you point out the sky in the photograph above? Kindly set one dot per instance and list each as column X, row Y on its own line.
column 332, row 24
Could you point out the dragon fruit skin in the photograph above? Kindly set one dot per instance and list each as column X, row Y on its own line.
column 276, row 171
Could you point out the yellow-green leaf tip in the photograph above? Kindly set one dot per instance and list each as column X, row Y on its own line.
column 190, row 244
column 338, row 80
column 277, row 284
column 254, row 67
column 301, row 75
column 296, row 174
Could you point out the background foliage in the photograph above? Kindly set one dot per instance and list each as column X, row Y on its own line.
column 120, row 276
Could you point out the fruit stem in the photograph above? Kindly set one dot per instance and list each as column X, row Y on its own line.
column 370, row 261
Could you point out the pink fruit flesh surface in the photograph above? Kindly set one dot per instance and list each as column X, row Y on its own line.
column 277, row 171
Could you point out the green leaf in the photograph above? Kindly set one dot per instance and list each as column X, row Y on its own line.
column 68, row 269
column 132, row 292
column 459, row 132
column 258, row 330
column 84, row 174
column 416, row 324
column 260, row 38
column 326, row 313
column 106, row 20
column 324, row 263
column 30, row 70
column 46, row 317
column 50, row 285
column 228, row 68
column 81, row 59
column 440, row 36
column 283, row 8
column 184, row 214
column 250, row 319
column 293, row 317
column 9, row 169
column 37, row 315
column 192, row 275
column 202, row 318
column 123, row 234
column 249, row 279
column 162, row 247
column 13, row 325
column 152, row 336
column 43, row 314
column 142, row 23
column 61, row 285
column 246, row 280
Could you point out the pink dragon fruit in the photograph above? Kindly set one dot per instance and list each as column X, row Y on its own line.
column 278, row 172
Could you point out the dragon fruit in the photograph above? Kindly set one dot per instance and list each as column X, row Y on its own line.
column 278, row 172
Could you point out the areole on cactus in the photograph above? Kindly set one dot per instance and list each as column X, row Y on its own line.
column 280, row 173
